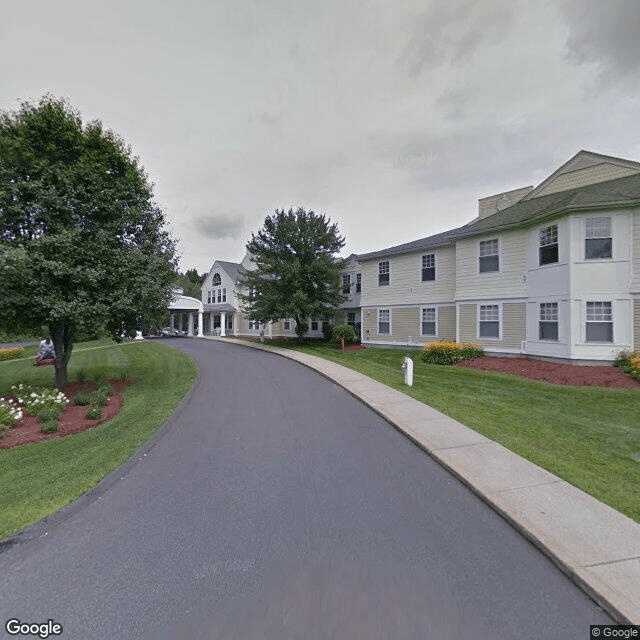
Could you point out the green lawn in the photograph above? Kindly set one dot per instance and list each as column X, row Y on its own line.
column 589, row 436
column 39, row 479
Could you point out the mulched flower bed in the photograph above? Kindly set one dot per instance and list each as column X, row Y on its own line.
column 73, row 420
column 554, row 372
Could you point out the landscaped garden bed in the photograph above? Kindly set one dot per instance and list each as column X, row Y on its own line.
column 73, row 418
column 554, row 372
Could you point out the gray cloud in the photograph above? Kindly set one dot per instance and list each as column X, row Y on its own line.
column 604, row 34
column 219, row 226
column 452, row 31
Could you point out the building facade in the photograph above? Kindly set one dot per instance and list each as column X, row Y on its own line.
column 549, row 271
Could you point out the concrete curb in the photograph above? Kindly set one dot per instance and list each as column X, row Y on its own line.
column 597, row 547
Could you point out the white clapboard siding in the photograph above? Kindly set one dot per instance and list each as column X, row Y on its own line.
column 405, row 280
column 506, row 283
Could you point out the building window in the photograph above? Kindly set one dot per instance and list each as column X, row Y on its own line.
column 599, row 322
column 224, row 295
column 548, row 325
column 346, row 283
column 383, row 273
column 429, row 322
column 286, row 324
column 229, row 322
column 219, row 295
column 384, row 321
column 489, row 258
column 215, row 281
column 208, row 297
column 428, row 267
column 254, row 325
column 314, row 324
column 351, row 318
column 548, row 251
column 489, row 321
column 597, row 244
column 358, row 282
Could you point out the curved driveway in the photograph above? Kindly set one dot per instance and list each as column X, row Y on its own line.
column 279, row 507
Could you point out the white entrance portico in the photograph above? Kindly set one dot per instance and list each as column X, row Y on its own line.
column 185, row 305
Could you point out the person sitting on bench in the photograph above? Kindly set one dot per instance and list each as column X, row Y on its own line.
column 46, row 350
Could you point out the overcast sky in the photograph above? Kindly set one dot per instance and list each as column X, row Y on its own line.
column 390, row 118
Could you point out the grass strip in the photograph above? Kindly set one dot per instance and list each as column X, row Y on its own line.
column 38, row 479
column 589, row 436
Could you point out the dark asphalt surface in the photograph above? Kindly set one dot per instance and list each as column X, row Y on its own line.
column 279, row 507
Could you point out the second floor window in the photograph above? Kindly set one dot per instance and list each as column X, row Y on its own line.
column 358, row 282
column 428, row 267
column 286, row 324
column 548, row 252
column 383, row 273
column 346, row 283
column 597, row 243
column 489, row 257
column 216, row 280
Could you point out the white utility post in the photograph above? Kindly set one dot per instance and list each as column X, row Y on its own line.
column 407, row 367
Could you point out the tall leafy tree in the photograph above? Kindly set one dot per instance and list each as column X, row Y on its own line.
column 82, row 242
column 297, row 271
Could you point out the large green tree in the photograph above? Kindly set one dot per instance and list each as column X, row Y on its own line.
column 82, row 242
column 297, row 271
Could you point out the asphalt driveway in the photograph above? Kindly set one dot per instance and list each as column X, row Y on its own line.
column 279, row 507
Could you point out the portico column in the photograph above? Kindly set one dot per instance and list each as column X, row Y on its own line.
column 223, row 322
column 210, row 323
column 190, row 324
column 200, row 316
column 180, row 324
column 171, row 323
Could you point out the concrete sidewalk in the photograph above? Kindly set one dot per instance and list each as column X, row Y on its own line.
column 595, row 545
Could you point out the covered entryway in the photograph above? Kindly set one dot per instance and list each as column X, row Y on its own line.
column 184, row 306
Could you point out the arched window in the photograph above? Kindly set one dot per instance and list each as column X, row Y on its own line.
column 215, row 281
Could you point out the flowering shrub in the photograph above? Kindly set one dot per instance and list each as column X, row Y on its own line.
column 40, row 402
column 629, row 362
column 10, row 412
column 448, row 352
column 11, row 354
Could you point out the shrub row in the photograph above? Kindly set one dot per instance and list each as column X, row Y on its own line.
column 94, row 400
column 11, row 354
column 448, row 352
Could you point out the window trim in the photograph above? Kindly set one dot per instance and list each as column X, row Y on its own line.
column 551, row 320
column 358, row 282
column 435, row 321
column 378, row 311
column 498, row 254
column 479, row 321
column 600, row 322
column 609, row 237
column 423, row 268
column 216, row 280
column 346, row 284
column 286, row 324
column 387, row 273
column 548, row 244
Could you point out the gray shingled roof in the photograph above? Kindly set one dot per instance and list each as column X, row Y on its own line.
column 231, row 268
column 621, row 192
column 438, row 240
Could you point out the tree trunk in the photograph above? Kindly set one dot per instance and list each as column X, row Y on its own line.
column 62, row 337
column 342, row 344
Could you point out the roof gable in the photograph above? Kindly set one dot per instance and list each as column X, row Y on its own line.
column 583, row 169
